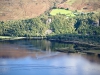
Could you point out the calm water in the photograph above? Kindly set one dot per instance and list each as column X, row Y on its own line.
column 38, row 57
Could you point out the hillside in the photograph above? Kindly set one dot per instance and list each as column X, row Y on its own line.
column 82, row 5
column 22, row 9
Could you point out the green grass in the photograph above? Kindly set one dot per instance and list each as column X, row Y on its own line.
column 62, row 11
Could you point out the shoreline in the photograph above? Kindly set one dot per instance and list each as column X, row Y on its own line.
column 75, row 42
column 8, row 38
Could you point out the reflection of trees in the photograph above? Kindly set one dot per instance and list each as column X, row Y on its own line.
column 21, row 53
column 48, row 45
column 42, row 44
column 56, row 45
column 24, row 53
column 23, row 48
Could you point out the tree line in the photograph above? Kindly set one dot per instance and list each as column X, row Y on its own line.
column 82, row 24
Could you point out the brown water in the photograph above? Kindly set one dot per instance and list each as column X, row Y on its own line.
column 38, row 57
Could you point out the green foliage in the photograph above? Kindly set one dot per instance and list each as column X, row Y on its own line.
column 83, row 24
column 30, row 27
column 67, row 8
column 61, row 25
column 88, row 24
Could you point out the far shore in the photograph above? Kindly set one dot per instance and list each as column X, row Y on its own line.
column 76, row 42
column 4, row 38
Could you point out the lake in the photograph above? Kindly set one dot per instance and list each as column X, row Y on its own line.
column 40, row 57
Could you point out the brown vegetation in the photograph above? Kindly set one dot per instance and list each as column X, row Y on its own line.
column 82, row 5
column 22, row 9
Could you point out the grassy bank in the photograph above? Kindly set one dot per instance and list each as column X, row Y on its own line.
column 10, row 38
column 18, row 38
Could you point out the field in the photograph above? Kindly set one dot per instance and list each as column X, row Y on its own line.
column 62, row 11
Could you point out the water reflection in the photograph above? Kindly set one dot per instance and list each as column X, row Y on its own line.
column 36, row 57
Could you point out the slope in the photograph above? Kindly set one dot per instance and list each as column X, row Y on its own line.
column 82, row 5
column 22, row 9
